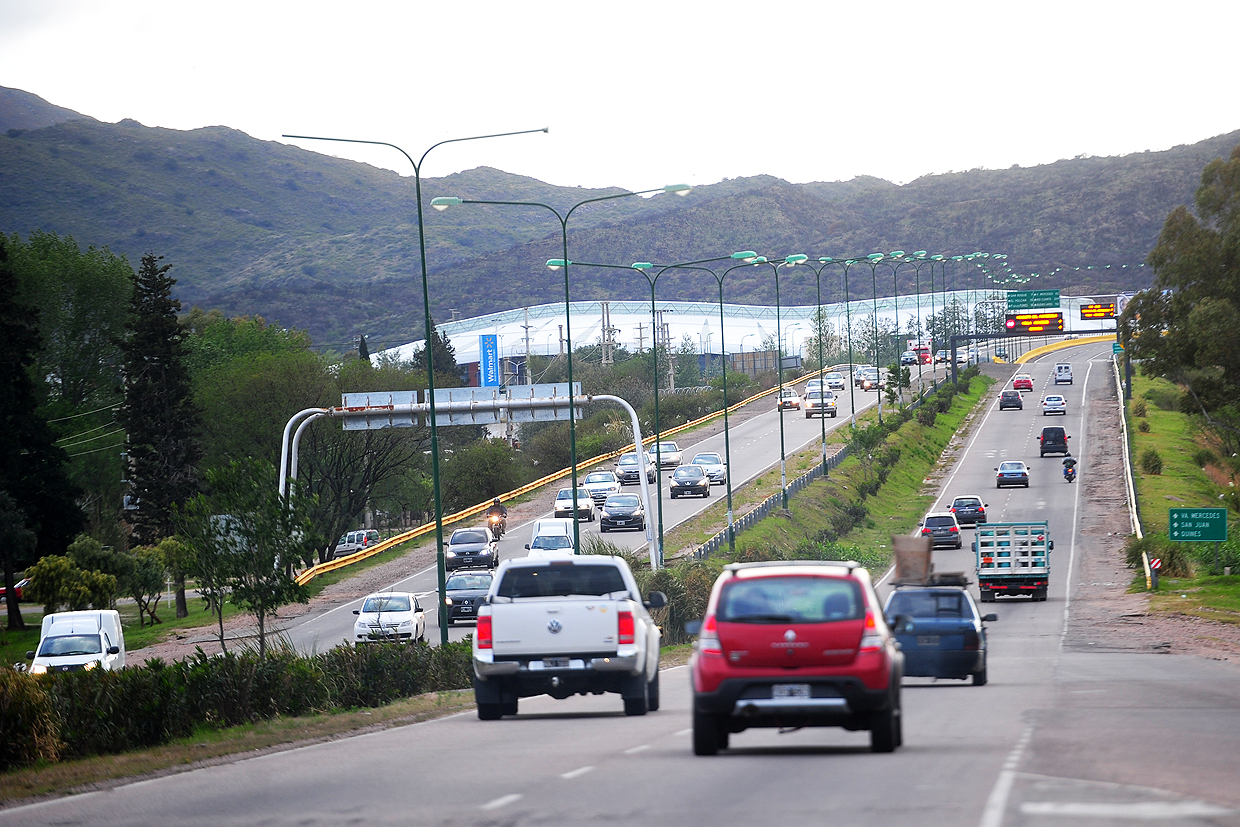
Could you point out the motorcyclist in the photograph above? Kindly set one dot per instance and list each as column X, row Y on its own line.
column 1069, row 467
column 498, row 509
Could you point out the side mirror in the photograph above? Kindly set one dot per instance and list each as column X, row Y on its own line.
column 900, row 624
column 996, row 467
column 990, row 618
column 357, row 612
column 30, row 656
column 974, row 544
column 693, row 627
column 114, row 650
column 657, row 600
column 527, row 545
column 1050, row 545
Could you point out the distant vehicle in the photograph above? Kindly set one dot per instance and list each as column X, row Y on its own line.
column 354, row 541
column 549, row 546
column 601, row 485
column 584, row 504
column 844, row 670
column 813, row 385
column 18, row 589
column 1054, row 403
column 940, row 357
column 1053, row 440
column 923, row 354
column 713, row 465
column 622, row 511
column 668, row 454
column 1001, row 352
column 872, row 380
column 690, row 479
column 463, row 594
column 1012, row 472
column 1013, row 559
column 834, row 380
column 1063, row 373
column 788, row 398
column 862, row 372
column 629, row 468
column 942, row 528
column 943, row 635
column 1022, row 382
column 908, row 357
column 969, row 510
column 389, row 617
column 962, row 358
column 79, row 641
column 471, row 547
column 820, row 403
column 1011, row 399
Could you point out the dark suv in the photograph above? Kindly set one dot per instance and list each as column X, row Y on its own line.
column 1010, row 399
column 794, row 644
column 969, row 510
column 1054, row 440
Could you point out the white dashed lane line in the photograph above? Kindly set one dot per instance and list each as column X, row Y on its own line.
column 502, row 801
column 577, row 773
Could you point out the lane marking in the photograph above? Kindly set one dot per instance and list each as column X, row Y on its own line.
column 1137, row 811
column 996, row 803
column 635, row 750
column 684, row 732
column 577, row 773
column 502, row 801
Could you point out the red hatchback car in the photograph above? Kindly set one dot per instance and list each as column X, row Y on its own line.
column 794, row 644
column 1022, row 382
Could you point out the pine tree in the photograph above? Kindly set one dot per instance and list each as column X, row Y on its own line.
column 158, row 413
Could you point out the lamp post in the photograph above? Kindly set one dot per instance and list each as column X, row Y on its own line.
column 873, row 259
column 443, row 202
column 934, row 376
column 779, row 355
column 852, row 386
column 430, row 362
column 896, row 259
column 825, row 262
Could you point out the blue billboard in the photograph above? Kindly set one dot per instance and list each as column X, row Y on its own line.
column 488, row 360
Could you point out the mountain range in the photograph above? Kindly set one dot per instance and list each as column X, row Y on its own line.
column 330, row 245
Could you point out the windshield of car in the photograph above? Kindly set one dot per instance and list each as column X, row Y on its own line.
column 1011, row 466
column 551, row 541
column 790, row 599
column 468, row 535
column 622, row 501
column 599, row 478
column 929, row 604
column 561, row 580
column 687, row 472
column 628, row 459
column 667, row 447
column 835, row 376
column 386, row 603
column 940, row 522
column 788, row 393
column 567, row 493
column 64, row 645
column 468, row 581
column 707, row 459
column 1054, row 400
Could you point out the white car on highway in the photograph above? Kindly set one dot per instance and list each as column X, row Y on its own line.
column 1054, row 404
column 601, row 484
column 389, row 617
column 714, row 467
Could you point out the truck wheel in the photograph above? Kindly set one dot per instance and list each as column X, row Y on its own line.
column 987, row 596
column 490, row 712
column 639, row 704
column 706, row 734
column 979, row 677
column 652, row 694
column 510, row 707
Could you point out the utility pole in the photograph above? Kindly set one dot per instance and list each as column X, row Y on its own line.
column 641, row 338
column 561, row 340
column 607, row 333
column 527, row 345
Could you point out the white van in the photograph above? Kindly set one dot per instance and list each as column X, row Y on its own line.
column 1063, row 373
column 354, row 541
column 71, row 641
column 551, row 537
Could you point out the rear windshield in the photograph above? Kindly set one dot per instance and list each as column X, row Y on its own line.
column 560, row 580
column 966, row 502
column 929, row 604
column 790, row 600
column 386, row 603
column 939, row 522
column 473, row 536
column 63, row 645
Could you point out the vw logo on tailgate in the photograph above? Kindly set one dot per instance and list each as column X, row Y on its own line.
column 554, row 626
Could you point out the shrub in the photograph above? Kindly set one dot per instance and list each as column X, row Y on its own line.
column 1139, row 408
column 1166, row 398
column 926, row 415
column 1143, row 426
column 1176, row 557
column 1151, row 462
column 29, row 729
column 102, row 712
column 1203, row 457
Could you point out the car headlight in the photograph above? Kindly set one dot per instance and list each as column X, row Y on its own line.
column 449, row 554
column 447, row 601
column 90, row 665
column 406, row 624
column 38, row 669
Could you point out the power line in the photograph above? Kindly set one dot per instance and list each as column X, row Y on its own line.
column 84, row 433
column 97, row 450
column 88, row 413
column 93, row 438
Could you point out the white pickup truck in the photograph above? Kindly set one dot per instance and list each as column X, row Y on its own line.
column 564, row 627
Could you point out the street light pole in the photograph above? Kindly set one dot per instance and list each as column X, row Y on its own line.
column 779, row 404
column 443, row 202
column 430, row 362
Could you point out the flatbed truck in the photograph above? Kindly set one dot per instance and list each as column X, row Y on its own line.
column 1013, row 559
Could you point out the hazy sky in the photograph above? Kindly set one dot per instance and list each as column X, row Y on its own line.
column 641, row 94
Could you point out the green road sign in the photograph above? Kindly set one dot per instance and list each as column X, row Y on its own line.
column 1194, row 525
column 1032, row 299
column 1116, row 348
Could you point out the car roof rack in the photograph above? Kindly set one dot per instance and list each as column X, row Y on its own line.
column 848, row 564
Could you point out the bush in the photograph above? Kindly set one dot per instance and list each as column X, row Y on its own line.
column 29, row 729
column 1203, row 457
column 926, row 415
column 1151, row 462
column 1166, row 398
column 1176, row 557
column 1139, row 408
column 1143, row 426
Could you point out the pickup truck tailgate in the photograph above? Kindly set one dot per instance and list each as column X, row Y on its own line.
column 562, row 627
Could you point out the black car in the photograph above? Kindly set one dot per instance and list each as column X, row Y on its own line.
column 1054, row 440
column 464, row 593
column 942, row 635
column 622, row 511
column 969, row 510
column 1010, row 399
column 471, row 548
column 628, row 469
column 690, row 479
column 942, row 529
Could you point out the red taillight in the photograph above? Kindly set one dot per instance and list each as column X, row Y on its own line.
column 708, row 638
column 627, row 627
column 981, row 510
column 952, row 509
column 483, row 633
column 926, row 531
column 871, row 640
column 955, row 530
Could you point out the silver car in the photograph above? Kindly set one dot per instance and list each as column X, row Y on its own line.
column 714, row 467
column 601, row 484
column 835, row 381
column 668, row 454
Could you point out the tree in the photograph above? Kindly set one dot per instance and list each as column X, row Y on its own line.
column 204, row 555
column 144, row 581
column 56, row 581
column 479, row 472
column 158, row 411
column 16, row 543
column 447, row 374
column 32, row 468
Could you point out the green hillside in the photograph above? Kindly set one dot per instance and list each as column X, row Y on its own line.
column 329, row 245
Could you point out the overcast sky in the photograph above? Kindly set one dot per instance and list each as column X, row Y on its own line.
column 641, row 94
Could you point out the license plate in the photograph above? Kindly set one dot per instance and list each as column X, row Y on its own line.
column 621, row 522
column 790, row 690
column 466, row 609
column 927, row 640
column 555, row 663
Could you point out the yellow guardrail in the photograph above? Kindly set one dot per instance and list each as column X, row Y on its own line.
column 1044, row 349
column 335, row 565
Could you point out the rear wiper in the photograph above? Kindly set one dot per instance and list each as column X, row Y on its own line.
column 762, row 619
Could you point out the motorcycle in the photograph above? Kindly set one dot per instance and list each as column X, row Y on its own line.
column 1069, row 473
column 498, row 525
